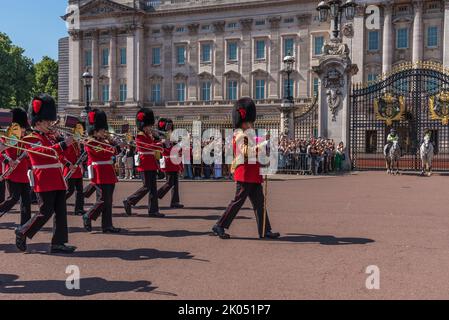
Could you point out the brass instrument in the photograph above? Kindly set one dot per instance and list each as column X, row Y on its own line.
column 127, row 139
column 13, row 134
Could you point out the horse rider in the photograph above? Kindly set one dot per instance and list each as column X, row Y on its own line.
column 391, row 138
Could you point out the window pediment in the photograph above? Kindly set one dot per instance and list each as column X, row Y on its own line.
column 181, row 77
column 260, row 73
column 206, row 76
column 231, row 74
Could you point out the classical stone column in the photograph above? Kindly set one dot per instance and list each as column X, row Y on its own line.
column 247, row 61
column 303, row 57
column 219, row 28
column 131, row 64
column 358, row 42
column 168, row 61
column 75, row 67
column 276, row 53
column 418, row 39
column 446, row 34
column 113, row 81
column 140, row 64
column 387, row 46
column 194, row 61
column 95, row 94
column 335, row 71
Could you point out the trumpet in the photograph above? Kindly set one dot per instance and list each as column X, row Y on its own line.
column 13, row 135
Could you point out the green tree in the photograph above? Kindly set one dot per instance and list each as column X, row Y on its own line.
column 6, row 67
column 46, row 77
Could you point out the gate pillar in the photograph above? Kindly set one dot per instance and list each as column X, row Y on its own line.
column 287, row 125
column 335, row 70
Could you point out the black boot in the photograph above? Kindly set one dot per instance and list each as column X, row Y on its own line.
column 62, row 248
column 112, row 230
column 156, row 215
column 271, row 235
column 127, row 207
column 87, row 223
column 21, row 241
column 220, row 232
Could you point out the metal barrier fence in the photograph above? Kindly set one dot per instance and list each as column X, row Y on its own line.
column 295, row 163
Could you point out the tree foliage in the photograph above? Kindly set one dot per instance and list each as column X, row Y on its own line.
column 46, row 76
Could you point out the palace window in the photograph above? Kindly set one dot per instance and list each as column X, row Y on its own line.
column 205, row 27
column 372, row 77
column 315, row 87
column 260, row 89
column 105, row 93
column 289, row 46
column 180, row 29
column 402, row 38
column 105, row 57
column 318, row 45
column 181, row 55
column 232, row 25
column 260, row 49
column 123, row 56
column 181, row 91
column 206, row 91
column 232, row 51
column 156, row 56
column 432, row 37
column 260, row 22
column 232, row 90
column 373, row 40
column 156, row 93
column 123, row 92
column 289, row 20
column 206, row 49
column 88, row 58
column 289, row 85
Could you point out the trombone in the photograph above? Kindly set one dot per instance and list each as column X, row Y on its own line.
column 78, row 134
column 13, row 134
column 128, row 140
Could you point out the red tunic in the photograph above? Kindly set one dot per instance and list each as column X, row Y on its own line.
column 246, row 172
column 19, row 174
column 148, row 160
column 50, row 178
column 173, row 162
column 72, row 154
column 101, row 163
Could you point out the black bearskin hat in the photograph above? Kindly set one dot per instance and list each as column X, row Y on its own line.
column 165, row 124
column 97, row 120
column 145, row 117
column 244, row 111
column 20, row 117
column 43, row 107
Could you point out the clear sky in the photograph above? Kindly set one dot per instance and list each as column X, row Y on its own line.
column 34, row 25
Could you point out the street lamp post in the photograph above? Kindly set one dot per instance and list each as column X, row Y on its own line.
column 87, row 78
column 288, row 105
column 334, row 9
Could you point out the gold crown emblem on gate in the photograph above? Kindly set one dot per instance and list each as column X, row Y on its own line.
column 439, row 107
column 389, row 108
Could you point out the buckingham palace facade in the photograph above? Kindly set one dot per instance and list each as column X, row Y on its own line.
column 192, row 58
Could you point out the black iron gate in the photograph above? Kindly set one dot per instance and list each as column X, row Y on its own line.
column 413, row 98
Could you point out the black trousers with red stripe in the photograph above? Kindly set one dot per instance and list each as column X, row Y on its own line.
column 253, row 191
column 76, row 184
column 49, row 203
column 2, row 191
column 18, row 191
column 149, row 187
column 173, row 184
column 103, row 206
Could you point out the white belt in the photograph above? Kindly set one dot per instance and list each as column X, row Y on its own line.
column 149, row 153
column 102, row 163
column 49, row 166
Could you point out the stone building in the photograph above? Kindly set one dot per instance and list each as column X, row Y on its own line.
column 192, row 58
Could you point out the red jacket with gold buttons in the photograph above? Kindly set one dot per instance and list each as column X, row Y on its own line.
column 101, row 163
column 173, row 161
column 72, row 154
column 147, row 158
column 246, row 172
column 47, row 172
column 19, row 173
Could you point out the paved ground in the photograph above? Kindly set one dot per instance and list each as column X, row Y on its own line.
column 333, row 228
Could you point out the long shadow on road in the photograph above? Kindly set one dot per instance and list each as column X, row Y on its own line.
column 320, row 239
column 9, row 284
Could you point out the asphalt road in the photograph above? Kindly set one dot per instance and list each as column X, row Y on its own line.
column 332, row 230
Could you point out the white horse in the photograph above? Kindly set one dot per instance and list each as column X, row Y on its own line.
column 392, row 158
column 426, row 153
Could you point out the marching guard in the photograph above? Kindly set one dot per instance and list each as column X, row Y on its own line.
column 170, row 164
column 17, row 164
column 247, row 175
column 75, row 156
column 46, row 177
column 101, row 172
column 147, row 147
